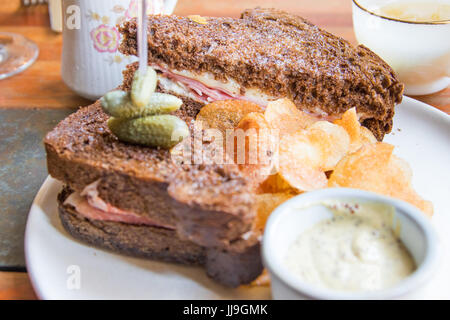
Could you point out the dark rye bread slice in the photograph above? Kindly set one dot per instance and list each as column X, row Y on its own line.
column 81, row 150
column 283, row 55
column 134, row 240
column 232, row 268
column 200, row 201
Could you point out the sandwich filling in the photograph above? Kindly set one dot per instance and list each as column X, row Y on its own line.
column 204, row 88
column 91, row 206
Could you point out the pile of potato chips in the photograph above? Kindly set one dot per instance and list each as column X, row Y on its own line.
column 308, row 154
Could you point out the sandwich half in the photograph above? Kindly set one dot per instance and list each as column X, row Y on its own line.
column 137, row 201
column 265, row 55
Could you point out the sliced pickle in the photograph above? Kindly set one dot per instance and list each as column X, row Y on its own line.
column 143, row 86
column 164, row 131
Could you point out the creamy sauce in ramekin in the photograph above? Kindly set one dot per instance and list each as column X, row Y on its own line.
column 356, row 250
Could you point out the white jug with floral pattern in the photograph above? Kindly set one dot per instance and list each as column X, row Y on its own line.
column 91, row 62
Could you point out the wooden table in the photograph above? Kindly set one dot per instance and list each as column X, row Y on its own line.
column 41, row 86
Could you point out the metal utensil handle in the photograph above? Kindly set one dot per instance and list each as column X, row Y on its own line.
column 142, row 36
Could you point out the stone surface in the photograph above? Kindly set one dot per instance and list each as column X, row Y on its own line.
column 22, row 171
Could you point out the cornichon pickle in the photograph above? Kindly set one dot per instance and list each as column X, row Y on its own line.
column 164, row 103
column 163, row 131
column 118, row 106
column 143, row 86
column 114, row 100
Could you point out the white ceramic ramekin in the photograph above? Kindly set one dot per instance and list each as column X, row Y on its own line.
column 419, row 52
column 298, row 214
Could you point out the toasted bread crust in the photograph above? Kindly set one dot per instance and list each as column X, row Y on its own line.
column 81, row 150
column 133, row 240
column 281, row 54
column 241, row 264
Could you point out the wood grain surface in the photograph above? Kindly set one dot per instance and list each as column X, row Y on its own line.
column 15, row 285
column 41, row 86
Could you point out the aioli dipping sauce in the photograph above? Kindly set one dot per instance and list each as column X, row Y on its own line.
column 356, row 250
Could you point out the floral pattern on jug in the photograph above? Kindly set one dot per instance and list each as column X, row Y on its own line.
column 105, row 38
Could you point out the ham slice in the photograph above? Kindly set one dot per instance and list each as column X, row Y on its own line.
column 206, row 94
column 202, row 92
column 91, row 206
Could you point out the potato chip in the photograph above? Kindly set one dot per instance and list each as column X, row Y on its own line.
column 225, row 115
column 350, row 123
column 399, row 180
column 306, row 155
column 367, row 136
column 255, row 146
column 298, row 162
column 374, row 168
column 275, row 184
column 332, row 140
column 266, row 203
column 303, row 177
column 252, row 126
column 364, row 165
column 284, row 115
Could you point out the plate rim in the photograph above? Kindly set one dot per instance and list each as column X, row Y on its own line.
column 31, row 275
column 439, row 113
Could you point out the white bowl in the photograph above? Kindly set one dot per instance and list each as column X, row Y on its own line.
column 419, row 52
column 298, row 214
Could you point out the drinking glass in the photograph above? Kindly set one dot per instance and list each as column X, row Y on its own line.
column 17, row 53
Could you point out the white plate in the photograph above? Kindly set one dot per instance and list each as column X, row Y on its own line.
column 421, row 135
